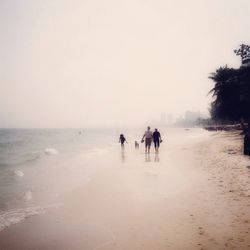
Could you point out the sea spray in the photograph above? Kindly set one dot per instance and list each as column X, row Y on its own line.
column 50, row 151
column 19, row 173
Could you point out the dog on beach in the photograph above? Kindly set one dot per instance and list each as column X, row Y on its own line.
column 136, row 145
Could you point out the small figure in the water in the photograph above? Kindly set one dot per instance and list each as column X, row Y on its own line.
column 148, row 135
column 122, row 139
column 136, row 145
column 157, row 139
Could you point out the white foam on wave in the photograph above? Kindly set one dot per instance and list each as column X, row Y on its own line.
column 19, row 173
column 50, row 151
column 14, row 216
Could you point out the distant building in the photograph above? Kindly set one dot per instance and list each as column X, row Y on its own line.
column 163, row 119
column 179, row 120
column 191, row 116
column 169, row 119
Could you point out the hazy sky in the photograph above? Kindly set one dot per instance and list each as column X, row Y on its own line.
column 81, row 63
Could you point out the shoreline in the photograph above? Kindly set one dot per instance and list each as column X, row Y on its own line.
column 195, row 196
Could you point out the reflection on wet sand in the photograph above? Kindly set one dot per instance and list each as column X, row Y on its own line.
column 157, row 158
column 147, row 158
column 123, row 157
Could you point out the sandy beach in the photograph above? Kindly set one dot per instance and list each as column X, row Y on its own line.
column 192, row 195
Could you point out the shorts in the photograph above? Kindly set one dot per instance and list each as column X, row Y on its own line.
column 148, row 142
column 157, row 143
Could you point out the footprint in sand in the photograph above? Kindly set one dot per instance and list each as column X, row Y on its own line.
column 201, row 231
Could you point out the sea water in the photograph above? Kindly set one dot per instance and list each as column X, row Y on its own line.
column 38, row 165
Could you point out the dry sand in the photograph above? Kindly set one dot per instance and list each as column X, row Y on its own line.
column 194, row 195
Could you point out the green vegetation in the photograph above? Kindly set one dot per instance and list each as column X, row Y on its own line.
column 232, row 91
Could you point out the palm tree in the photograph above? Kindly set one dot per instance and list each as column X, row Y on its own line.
column 226, row 94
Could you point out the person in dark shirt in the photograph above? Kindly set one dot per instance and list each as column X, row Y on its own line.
column 122, row 139
column 157, row 139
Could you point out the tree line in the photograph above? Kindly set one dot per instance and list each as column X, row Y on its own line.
column 231, row 92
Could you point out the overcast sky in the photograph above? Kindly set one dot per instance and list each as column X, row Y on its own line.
column 83, row 63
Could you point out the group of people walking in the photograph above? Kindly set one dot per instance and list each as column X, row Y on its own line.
column 148, row 138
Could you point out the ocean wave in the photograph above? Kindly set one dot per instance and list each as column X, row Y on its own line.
column 19, row 161
column 36, row 155
column 14, row 216
column 50, row 151
column 17, row 215
column 19, row 173
column 27, row 158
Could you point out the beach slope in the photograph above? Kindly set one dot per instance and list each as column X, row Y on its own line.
column 192, row 195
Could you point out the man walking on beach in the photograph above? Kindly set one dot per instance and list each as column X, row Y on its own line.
column 148, row 135
column 157, row 139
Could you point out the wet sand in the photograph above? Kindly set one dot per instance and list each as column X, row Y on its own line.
column 193, row 195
